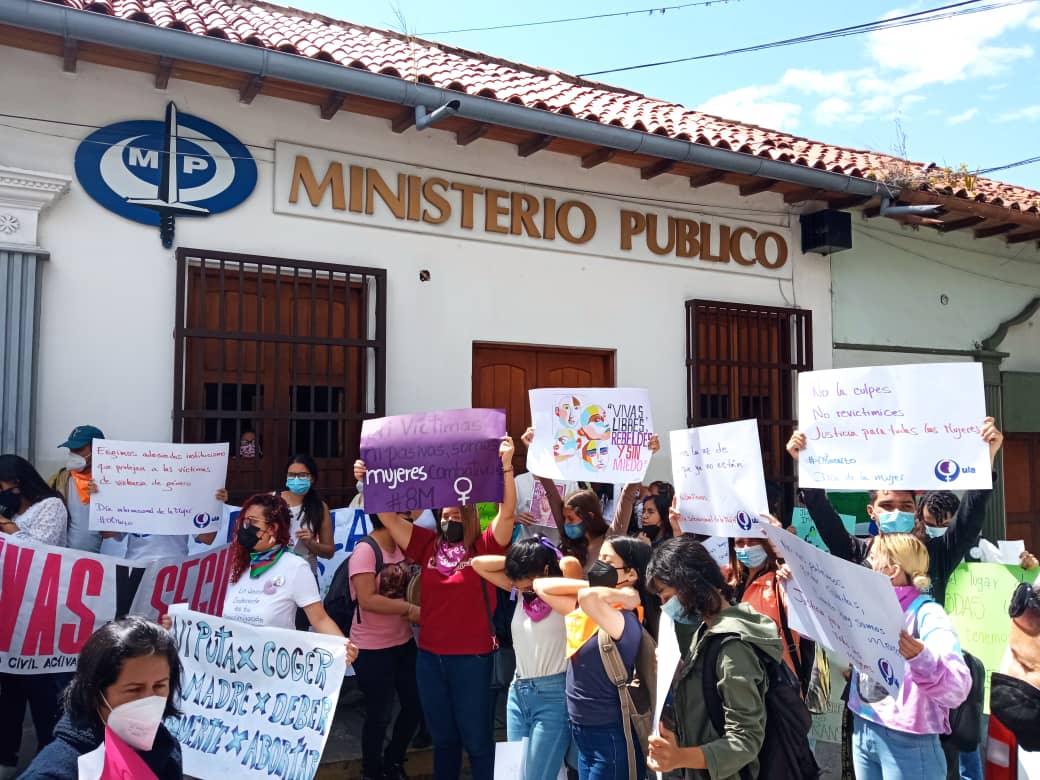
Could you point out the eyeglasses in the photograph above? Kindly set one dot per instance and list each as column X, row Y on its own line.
column 1024, row 597
column 298, row 475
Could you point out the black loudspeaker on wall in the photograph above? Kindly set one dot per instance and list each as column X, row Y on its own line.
column 826, row 232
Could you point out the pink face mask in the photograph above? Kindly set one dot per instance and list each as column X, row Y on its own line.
column 448, row 557
column 535, row 608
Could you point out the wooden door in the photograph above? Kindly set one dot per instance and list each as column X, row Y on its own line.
column 503, row 373
column 1022, row 487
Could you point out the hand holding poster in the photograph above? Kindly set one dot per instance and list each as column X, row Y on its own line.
column 157, row 488
column 591, row 434
column 717, row 471
column 845, row 607
column 436, row 459
column 256, row 702
column 887, row 426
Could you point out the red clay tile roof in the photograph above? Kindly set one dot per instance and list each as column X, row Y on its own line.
column 380, row 51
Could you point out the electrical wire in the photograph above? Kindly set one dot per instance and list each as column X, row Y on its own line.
column 918, row 17
column 651, row 11
column 1028, row 161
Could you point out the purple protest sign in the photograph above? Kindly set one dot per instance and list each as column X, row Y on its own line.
column 436, row 459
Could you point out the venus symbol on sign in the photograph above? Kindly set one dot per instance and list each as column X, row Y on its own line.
column 463, row 492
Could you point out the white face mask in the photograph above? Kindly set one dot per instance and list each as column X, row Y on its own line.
column 136, row 722
column 75, row 462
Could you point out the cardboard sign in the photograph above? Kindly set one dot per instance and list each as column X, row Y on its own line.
column 52, row 598
column 977, row 598
column 437, row 459
column 845, row 607
column 591, row 434
column 717, row 471
column 157, row 487
column 915, row 427
column 256, row 702
column 805, row 528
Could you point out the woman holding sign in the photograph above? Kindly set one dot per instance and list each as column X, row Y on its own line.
column 897, row 738
column 456, row 631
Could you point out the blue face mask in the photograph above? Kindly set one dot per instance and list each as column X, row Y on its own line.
column 896, row 522
column 576, row 531
column 298, row 485
column 517, row 528
column 934, row 532
column 674, row 609
column 753, row 556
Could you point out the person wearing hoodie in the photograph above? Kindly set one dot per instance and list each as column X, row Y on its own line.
column 897, row 737
column 690, row 583
column 128, row 679
column 894, row 511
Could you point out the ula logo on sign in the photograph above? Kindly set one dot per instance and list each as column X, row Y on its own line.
column 887, row 673
column 745, row 521
column 151, row 171
column 948, row 470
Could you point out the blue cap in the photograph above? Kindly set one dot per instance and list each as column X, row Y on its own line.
column 81, row 436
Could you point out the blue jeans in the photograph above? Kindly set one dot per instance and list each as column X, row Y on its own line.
column 537, row 709
column 455, row 691
column 880, row 753
column 971, row 765
column 602, row 753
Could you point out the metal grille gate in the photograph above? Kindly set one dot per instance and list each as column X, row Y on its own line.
column 291, row 352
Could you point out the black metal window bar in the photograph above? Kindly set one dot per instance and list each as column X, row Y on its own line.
column 291, row 352
column 742, row 361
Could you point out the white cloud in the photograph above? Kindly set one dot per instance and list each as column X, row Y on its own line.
column 820, row 83
column 961, row 118
column 832, row 110
column 755, row 106
column 1028, row 113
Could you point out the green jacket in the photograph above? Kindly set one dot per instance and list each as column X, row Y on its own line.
column 742, row 686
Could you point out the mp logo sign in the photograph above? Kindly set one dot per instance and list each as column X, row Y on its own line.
column 153, row 171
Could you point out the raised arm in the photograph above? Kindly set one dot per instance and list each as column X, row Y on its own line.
column 560, row 593
column 599, row 604
column 828, row 523
column 551, row 494
column 399, row 528
column 493, row 569
column 631, row 492
column 966, row 524
column 502, row 525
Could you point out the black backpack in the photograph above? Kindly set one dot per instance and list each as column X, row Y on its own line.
column 966, row 718
column 338, row 603
column 785, row 753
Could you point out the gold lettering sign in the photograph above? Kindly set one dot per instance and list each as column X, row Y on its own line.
column 435, row 200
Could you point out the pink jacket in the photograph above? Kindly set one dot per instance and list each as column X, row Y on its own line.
column 937, row 679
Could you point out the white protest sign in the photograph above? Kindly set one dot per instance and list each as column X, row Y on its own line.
column 668, row 657
column 718, row 546
column 717, row 471
column 847, row 608
column 157, row 488
column 256, row 702
column 913, row 427
column 591, row 434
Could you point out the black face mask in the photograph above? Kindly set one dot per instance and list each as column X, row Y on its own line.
column 9, row 503
column 454, row 532
column 529, row 597
column 651, row 531
column 1016, row 704
column 248, row 536
column 603, row 575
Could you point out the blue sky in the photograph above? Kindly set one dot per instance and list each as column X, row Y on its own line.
column 963, row 90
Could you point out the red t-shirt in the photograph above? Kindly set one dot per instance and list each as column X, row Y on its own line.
column 454, row 616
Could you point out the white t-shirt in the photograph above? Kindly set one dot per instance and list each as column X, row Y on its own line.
column 540, row 647
column 272, row 598
column 150, row 547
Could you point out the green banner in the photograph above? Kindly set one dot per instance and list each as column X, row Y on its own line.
column 805, row 528
column 977, row 599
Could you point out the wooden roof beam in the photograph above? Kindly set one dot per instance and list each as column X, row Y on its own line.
column 534, row 144
column 704, row 179
column 1021, row 238
column 755, row 187
column 332, row 105
column 959, row 224
column 847, row 201
column 162, row 73
column 656, row 169
column 995, row 230
column 250, row 89
column 802, row 195
column 69, row 55
column 598, row 157
column 403, row 121
column 471, row 133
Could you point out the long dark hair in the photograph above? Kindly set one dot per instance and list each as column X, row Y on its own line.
column 33, row 487
column 587, row 506
column 313, row 510
column 102, row 658
column 662, row 504
column 635, row 554
column 276, row 513
column 683, row 563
